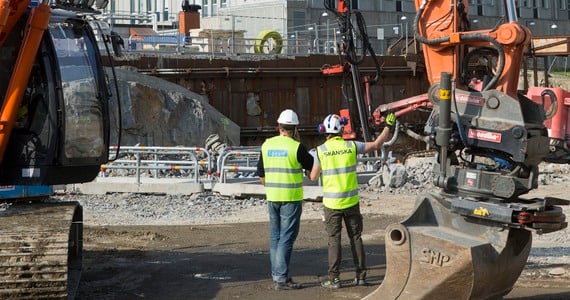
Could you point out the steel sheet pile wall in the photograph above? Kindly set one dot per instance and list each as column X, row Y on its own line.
column 253, row 91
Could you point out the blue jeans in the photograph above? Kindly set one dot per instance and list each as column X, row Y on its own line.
column 284, row 222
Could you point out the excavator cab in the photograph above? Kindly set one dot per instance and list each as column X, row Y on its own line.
column 62, row 130
column 54, row 129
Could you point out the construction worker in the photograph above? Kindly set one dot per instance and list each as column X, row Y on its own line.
column 280, row 170
column 337, row 160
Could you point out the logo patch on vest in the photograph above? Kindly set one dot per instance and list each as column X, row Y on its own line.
column 337, row 152
column 278, row 153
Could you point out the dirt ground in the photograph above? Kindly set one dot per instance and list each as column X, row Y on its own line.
column 230, row 260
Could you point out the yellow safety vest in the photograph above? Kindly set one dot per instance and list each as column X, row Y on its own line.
column 283, row 172
column 338, row 168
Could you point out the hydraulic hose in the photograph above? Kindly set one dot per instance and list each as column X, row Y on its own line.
column 466, row 37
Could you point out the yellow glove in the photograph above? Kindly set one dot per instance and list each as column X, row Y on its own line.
column 391, row 119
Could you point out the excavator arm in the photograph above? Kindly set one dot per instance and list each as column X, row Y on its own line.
column 449, row 45
column 471, row 239
column 38, row 19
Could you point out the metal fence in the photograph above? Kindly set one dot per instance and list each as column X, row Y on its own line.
column 195, row 164
column 237, row 159
column 219, row 46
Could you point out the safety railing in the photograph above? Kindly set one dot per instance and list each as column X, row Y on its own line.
column 237, row 159
column 157, row 162
column 222, row 46
column 194, row 163
column 244, row 160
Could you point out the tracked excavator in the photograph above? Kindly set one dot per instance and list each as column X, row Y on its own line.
column 54, row 129
column 470, row 239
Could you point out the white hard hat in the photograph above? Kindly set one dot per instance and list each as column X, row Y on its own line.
column 288, row 117
column 333, row 124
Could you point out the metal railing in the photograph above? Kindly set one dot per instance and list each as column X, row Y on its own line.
column 165, row 162
column 193, row 163
column 221, row 46
column 237, row 159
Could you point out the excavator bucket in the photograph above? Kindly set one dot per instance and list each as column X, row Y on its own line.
column 439, row 254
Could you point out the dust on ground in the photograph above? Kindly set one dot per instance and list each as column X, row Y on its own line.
column 226, row 255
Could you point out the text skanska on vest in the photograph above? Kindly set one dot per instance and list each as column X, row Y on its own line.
column 337, row 152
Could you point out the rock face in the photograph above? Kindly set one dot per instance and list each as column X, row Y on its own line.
column 156, row 112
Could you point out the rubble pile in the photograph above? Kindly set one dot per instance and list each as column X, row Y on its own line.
column 412, row 177
column 553, row 173
column 416, row 176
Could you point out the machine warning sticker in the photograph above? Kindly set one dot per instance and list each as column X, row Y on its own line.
column 470, row 99
column 471, row 178
column 483, row 135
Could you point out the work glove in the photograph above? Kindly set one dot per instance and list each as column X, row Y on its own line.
column 390, row 120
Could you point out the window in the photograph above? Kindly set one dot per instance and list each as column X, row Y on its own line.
column 299, row 19
column 214, row 7
column 205, row 9
column 84, row 134
column 525, row 3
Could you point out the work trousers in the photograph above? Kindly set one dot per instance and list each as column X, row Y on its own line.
column 353, row 221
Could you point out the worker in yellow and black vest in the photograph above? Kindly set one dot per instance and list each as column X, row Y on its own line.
column 280, row 170
column 337, row 160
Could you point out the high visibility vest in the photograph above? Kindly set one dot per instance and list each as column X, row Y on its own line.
column 283, row 172
column 338, row 168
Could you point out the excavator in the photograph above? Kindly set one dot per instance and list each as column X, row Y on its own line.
column 471, row 238
column 55, row 129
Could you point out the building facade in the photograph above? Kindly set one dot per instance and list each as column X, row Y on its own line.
column 306, row 26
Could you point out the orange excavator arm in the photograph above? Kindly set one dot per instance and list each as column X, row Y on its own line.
column 10, row 12
column 472, row 238
column 447, row 41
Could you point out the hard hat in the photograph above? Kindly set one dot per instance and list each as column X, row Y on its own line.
column 288, row 117
column 333, row 124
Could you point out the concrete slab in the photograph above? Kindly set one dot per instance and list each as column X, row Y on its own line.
column 104, row 185
column 240, row 187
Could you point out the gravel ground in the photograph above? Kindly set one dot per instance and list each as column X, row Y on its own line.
column 208, row 208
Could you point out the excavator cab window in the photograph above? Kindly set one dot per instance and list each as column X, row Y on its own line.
column 62, row 130
column 83, row 118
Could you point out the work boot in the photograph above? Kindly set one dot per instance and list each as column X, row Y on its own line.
column 288, row 285
column 360, row 282
column 331, row 284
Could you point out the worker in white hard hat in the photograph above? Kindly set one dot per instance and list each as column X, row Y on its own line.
column 337, row 162
column 280, row 170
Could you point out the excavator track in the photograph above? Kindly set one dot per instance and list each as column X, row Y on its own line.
column 40, row 250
